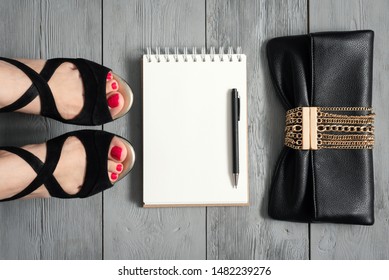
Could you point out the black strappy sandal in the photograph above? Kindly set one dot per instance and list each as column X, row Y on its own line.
column 96, row 144
column 95, row 110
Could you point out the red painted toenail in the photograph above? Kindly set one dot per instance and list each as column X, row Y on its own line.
column 116, row 152
column 114, row 85
column 113, row 100
column 119, row 167
column 109, row 76
column 114, row 176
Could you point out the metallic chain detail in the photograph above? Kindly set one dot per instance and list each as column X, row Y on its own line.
column 339, row 130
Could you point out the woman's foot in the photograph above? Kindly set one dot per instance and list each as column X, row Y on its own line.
column 70, row 170
column 65, row 84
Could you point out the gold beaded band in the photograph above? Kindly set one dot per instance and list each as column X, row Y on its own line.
column 315, row 128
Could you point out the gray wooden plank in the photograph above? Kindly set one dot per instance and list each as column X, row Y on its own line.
column 50, row 229
column 247, row 232
column 20, row 227
column 71, row 229
column 131, row 232
column 351, row 241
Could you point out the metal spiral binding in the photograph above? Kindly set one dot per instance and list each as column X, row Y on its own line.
column 175, row 55
column 239, row 53
column 230, row 52
column 212, row 53
column 157, row 54
column 203, row 53
column 221, row 54
column 167, row 51
column 194, row 56
column 148, row 54
column 185, row 54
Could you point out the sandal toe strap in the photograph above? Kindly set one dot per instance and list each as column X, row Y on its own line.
column 95, row 110
column 96, row 144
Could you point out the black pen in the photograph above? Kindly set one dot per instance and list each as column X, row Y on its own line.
column 235, row 135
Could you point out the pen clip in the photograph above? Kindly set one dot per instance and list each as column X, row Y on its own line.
column 238, row 108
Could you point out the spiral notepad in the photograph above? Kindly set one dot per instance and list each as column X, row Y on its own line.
column 187, row 142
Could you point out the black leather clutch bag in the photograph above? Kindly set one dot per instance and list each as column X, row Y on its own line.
column 325, row 170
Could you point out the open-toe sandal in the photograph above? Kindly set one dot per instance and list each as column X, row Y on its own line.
column 96, row 144
column 95, row 110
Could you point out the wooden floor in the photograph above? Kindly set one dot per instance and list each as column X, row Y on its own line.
column 113, row 225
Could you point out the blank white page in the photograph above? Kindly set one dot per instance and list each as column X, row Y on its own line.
column 187, row 131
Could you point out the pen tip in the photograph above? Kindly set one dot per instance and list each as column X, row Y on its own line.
column 236, row 177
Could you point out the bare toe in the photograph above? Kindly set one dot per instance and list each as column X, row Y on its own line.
column 115, row 167
column 111, row 85
column 117, row 150
column 122, row 156
column 128, row 97
column 115, row 103
column 109, row 76
column 113, row 176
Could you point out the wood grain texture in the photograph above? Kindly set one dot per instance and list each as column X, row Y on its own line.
column 360, row 242
column 119, row 31
column 71, row 229
column 20, row 228
column 130, row 231
column 247, row 232
column 49, row 229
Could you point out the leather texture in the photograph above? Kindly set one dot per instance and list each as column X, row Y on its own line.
column 323, row 69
